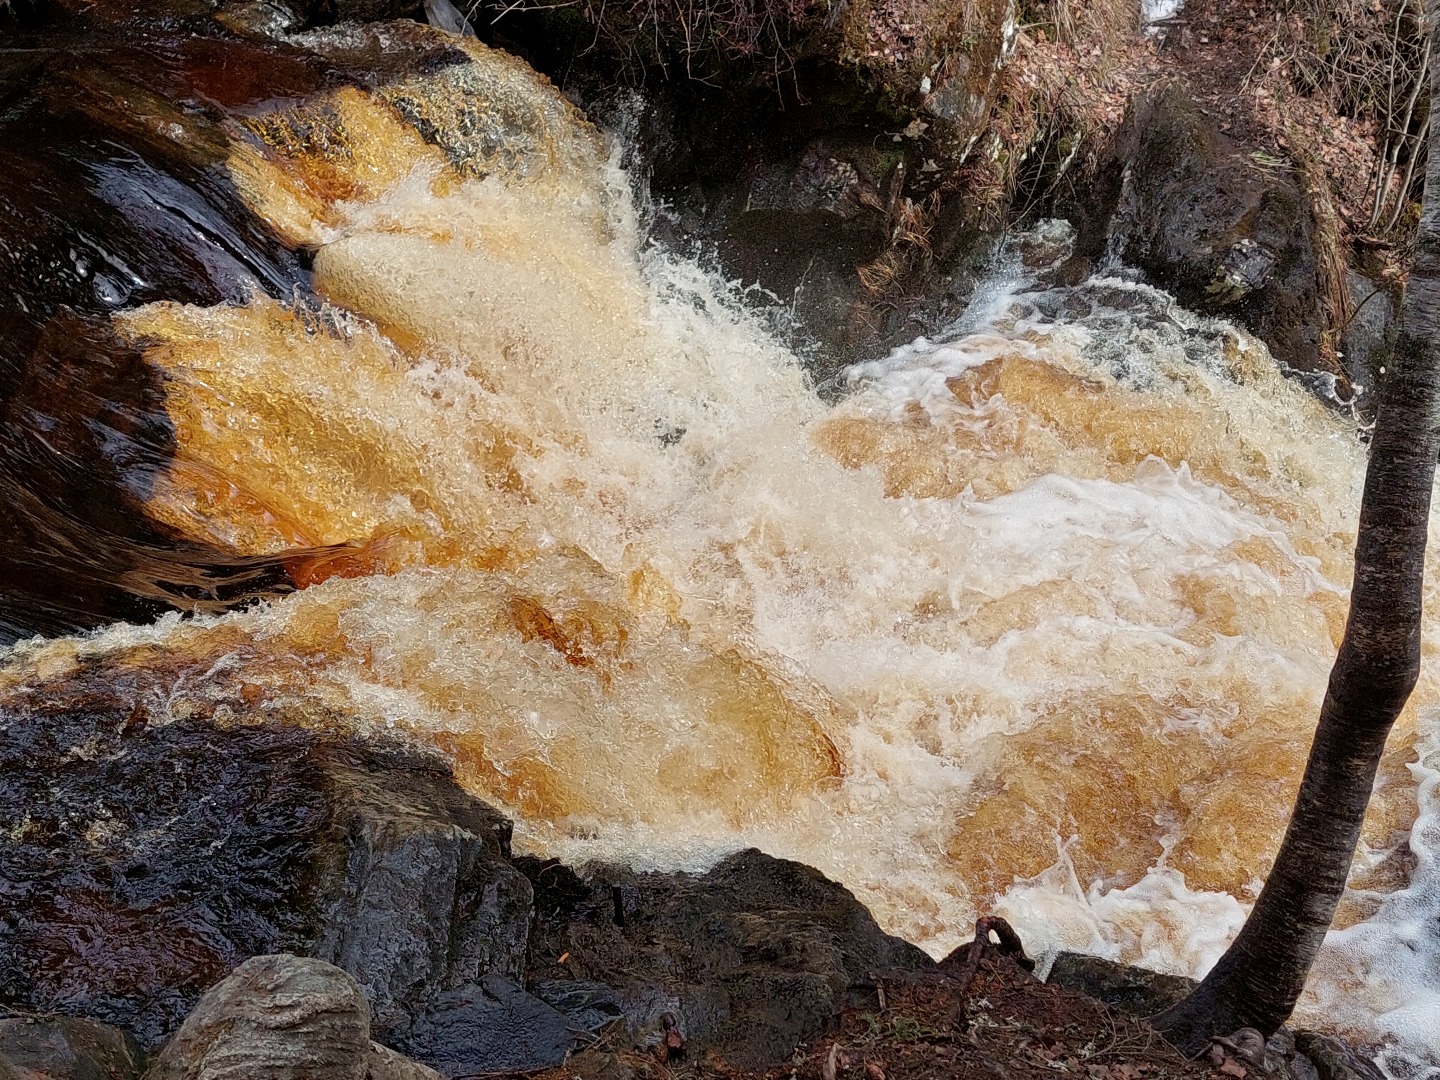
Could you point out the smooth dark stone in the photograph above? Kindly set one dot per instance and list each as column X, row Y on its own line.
column 589, row 1006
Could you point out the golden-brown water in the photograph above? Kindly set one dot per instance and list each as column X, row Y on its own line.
column 1035, row 619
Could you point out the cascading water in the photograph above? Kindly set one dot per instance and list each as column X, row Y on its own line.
column 1036, row 618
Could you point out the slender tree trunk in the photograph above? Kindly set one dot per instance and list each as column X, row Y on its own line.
column 1258, row 980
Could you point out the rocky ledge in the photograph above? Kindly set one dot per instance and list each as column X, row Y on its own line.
column 271, row 896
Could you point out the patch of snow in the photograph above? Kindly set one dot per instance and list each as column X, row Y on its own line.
column 1153, row 11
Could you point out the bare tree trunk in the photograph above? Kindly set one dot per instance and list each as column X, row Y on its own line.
column 1258, row 980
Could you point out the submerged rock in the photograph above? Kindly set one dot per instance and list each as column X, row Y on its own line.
column 282, row 1017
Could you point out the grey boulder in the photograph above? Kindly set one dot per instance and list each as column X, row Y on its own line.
column 282, row 1017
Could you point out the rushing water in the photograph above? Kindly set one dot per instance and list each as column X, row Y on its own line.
column 1036, row 618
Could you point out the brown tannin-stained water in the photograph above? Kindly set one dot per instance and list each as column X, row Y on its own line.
column 1034, row 619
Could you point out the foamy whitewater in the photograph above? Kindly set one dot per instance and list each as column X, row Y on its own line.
column 1036, row 619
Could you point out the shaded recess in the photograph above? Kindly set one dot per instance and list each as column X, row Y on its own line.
column 790, row 144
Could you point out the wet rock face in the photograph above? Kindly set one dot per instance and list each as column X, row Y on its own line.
column 426, row 901
column 1368, row 344
column 749, row 959
column 798, row 223
column 144, row 856
column 139, row 867
column 1204, row 217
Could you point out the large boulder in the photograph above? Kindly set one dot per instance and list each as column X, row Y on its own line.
column 282, row 1017
column 1224, row 227
column 426, row 900
column 747, row 960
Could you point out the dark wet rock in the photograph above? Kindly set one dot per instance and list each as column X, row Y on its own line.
column 807, row 205
column 282, row 1017
column 426, row 900
column 1368, row 343
column 751, row 958
column 154, row 853
column 490, row 1027
column 68, row 1048
column 148, row 861
column 1225, row 228
column 1135, row 991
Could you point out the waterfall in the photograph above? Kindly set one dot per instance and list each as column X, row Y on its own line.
column 1035, row 618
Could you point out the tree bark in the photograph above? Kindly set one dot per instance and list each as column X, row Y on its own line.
column 1258, row 980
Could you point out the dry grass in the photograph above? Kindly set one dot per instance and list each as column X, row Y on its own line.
column 1363, row 61
column 1083, row 22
